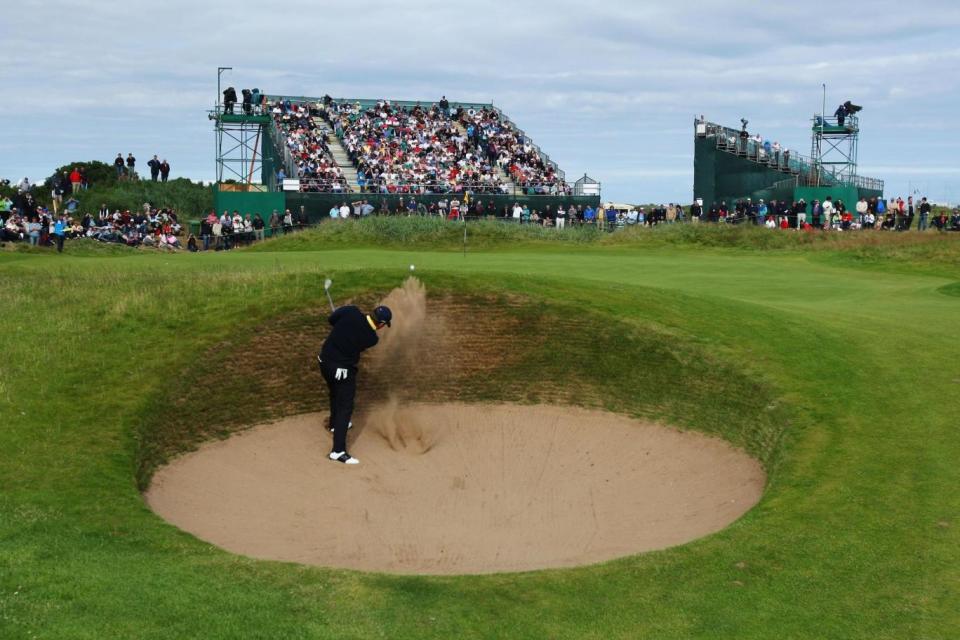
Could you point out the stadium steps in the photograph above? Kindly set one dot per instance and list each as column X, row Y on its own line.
column 340, row 156
column 504, row 178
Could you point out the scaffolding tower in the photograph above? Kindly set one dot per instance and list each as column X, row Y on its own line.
column 240, row 139
column 833, row 149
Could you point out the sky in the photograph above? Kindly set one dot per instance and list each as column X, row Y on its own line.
column 606, row 88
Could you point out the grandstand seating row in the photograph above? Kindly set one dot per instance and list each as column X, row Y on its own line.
column 412, row 149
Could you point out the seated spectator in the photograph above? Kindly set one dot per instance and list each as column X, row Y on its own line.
column 307, row 144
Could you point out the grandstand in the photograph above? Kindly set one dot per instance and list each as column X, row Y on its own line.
column 318, row 152
column 730, row 165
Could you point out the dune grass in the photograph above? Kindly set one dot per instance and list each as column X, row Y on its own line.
column 437, row 234
column 839, row 373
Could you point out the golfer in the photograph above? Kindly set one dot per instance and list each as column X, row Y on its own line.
column 353, row 333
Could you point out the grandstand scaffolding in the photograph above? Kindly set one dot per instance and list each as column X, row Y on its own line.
column 731, row 165
column 241, row 141
column 251, row 148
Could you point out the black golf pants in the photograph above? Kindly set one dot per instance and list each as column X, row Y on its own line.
column 342, row 393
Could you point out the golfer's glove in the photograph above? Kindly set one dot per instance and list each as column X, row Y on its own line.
column 341, row 374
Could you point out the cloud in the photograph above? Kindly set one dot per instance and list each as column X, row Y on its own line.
column 609, row 88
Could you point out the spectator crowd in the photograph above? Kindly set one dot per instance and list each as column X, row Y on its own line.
column 895, row 214
column 415, row 149
column 308, row 146
column 127, row 168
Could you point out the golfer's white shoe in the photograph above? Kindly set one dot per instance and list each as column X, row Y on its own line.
column 349, row 426
column 344, row 457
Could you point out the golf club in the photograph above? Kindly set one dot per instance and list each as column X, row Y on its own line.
column 326, row 287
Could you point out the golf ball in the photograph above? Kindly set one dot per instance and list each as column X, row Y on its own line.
column 412, row 267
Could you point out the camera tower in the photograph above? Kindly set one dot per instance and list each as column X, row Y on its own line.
column 833, row 149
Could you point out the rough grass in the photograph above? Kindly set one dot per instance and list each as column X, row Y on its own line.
column 434, row 234
column 188, row 199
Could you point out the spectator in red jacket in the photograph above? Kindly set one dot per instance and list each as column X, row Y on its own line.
column 76, row 179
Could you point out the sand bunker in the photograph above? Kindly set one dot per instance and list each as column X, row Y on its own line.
column 454, row 489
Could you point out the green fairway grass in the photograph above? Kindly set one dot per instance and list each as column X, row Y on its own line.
column 834, row 360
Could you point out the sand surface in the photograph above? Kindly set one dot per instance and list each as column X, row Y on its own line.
column 456, row 489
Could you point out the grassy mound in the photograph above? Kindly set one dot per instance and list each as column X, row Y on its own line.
column 260, row 378
column 189, row 199
column 435, row 233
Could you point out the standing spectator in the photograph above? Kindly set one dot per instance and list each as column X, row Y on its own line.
column 226, row 228
column 56, row 195
column 274, row 223
column 217, row 230
column 695, row 212
column 334, row 212
column 154, row 165
column 131, row 167
column 248, row 233
column 561, row 217
column 827, row 211
column 816, row 211
column 288, row 221
column 164, row 170
column 862, row 209
column 76, row 180
column 206, row 230
column 924, row 214
column 236, row 223
column 59, row 232
column 118, row 165
column 258, row 227
column 344, row 211
column 908, row 217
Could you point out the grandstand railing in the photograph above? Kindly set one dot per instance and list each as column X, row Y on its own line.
column 435, row 188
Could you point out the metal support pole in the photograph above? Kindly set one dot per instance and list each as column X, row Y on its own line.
column 823, row 115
